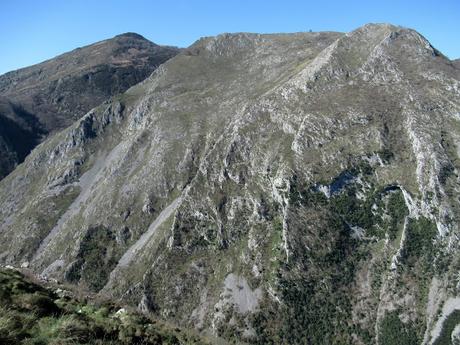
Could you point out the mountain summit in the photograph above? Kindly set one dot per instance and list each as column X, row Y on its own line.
column 39, row 100
column 273, row 189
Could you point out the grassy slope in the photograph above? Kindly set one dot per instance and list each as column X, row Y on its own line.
column 32, row 314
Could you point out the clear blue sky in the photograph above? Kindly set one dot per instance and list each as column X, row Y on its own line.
column 35, row 30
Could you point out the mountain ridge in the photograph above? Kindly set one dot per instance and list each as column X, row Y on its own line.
column 121, row 36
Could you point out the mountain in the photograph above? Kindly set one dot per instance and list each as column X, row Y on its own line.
column 40, row 100
column 274, row 189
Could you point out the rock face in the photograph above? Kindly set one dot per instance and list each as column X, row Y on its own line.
column 39, row 100
column 280, row 189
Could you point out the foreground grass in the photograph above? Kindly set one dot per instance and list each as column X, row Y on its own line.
column 32, row 314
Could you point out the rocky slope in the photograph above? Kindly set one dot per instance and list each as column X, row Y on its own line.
column 291, row 188
column 39, row 100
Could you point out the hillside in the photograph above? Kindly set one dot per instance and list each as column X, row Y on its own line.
column 274, row 189
column 40, row 100
column 34, row 314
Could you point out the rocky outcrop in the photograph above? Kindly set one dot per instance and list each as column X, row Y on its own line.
column 289, row 188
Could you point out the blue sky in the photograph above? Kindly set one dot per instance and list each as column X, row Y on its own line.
column 36, row 30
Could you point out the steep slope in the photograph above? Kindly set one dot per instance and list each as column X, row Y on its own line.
column 295, row 188
column 39, row 100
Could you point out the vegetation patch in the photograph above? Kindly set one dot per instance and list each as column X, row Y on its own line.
column 310, row 314
column 326, row 247
column 96, row 258
column 394, row 332
column 421, row 234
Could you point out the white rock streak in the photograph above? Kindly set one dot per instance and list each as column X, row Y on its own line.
column 85, row 183
column 140, row 243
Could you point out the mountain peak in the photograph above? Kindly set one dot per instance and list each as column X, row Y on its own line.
column 378, row 26
column 132, row 37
